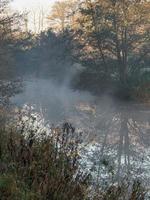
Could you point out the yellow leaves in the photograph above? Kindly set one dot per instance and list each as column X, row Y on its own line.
column 63, row 14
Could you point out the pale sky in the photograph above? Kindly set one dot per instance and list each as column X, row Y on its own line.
column 33, row 5
column 30, row 4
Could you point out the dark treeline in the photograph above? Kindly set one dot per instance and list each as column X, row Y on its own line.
column 110, row 40
column 48, row 55
column 7, row 42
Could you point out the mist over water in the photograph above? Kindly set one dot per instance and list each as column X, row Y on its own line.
column 58, row 102
column 119, row 131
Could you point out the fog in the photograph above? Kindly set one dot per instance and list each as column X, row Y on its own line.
column 116, row 130
column 58, row 102
column 122, row 129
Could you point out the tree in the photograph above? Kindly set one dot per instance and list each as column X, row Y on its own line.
column 113, row 36
column 63, row 15
column 8, row 33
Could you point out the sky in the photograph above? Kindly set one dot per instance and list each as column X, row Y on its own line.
column 33, row 6
column 30, row 4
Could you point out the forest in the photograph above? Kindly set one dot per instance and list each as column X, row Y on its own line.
column 75, row 101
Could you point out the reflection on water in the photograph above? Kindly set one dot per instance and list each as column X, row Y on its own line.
column 122, row 130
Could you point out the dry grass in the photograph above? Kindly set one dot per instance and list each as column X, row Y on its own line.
column 47, row 167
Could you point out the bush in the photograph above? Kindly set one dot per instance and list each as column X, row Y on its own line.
column 45, row 168
column 35, row 165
